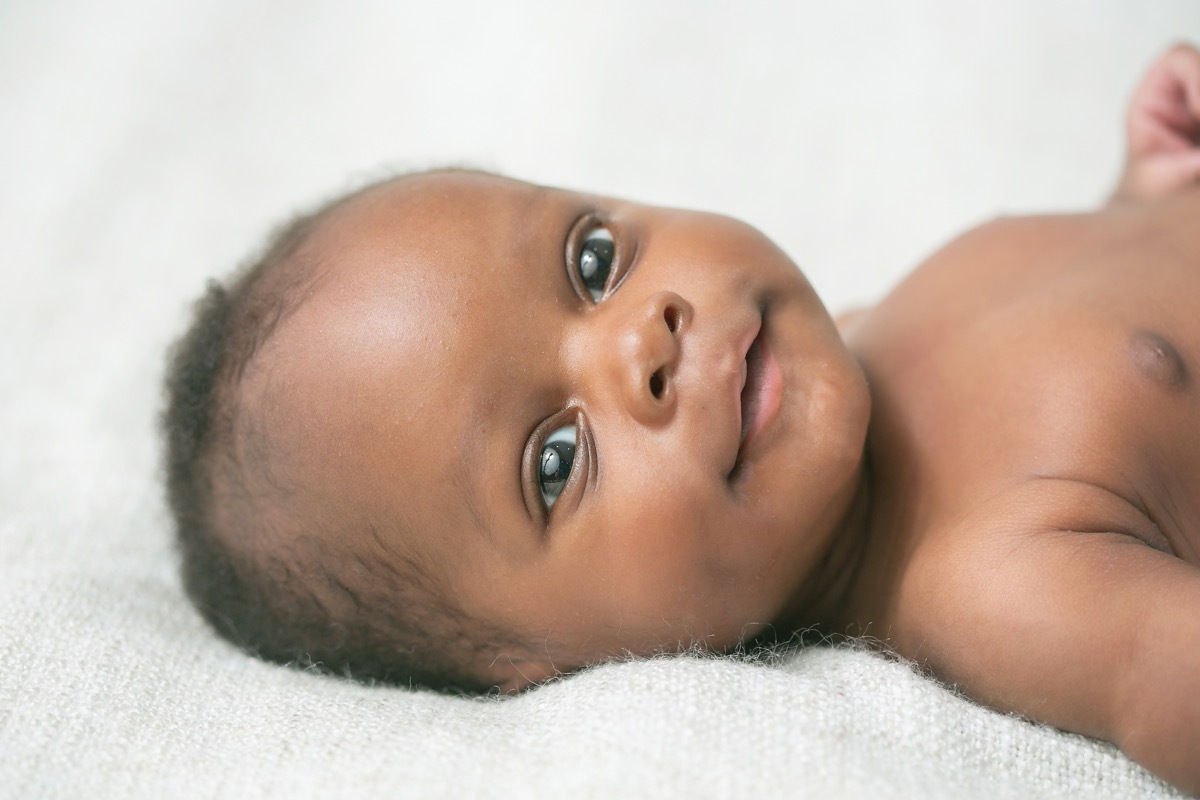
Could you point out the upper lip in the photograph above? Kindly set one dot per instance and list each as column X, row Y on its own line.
column 745, row 342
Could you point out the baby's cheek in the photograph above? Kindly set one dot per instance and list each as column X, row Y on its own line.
column 674, row 558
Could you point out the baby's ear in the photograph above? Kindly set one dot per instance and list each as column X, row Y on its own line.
column 513, row 675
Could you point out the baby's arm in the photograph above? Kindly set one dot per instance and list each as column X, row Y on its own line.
column 1091, row 632
column 1162, row 128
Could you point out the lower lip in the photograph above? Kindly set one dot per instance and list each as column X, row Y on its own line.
column 764, row 400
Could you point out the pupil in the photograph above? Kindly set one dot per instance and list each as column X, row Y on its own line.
column 557, row 458
column 595, row 262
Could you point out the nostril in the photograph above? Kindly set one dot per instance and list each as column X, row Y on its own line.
column 656, row 385
column 671, row 315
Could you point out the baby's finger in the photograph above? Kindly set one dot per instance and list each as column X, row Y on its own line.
column 1183, row 61
column 1163, row 175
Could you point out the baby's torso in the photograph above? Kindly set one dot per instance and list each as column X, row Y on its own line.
column 1037, row 374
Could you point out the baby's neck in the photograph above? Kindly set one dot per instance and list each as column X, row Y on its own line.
column 826, row 601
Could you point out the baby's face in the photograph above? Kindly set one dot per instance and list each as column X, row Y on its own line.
column 609, row 426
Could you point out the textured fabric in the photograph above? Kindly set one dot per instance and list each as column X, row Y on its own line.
column 145, row 146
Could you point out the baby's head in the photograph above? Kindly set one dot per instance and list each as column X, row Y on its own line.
column 464, row 431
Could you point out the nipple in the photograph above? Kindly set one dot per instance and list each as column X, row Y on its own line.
column 1158, row 359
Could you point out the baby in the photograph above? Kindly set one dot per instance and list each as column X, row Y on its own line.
column 461, row 431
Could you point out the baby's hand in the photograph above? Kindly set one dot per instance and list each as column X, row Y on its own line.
column 1163, row 129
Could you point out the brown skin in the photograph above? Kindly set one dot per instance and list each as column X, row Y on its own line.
column 1028, row 526
column 447, row 338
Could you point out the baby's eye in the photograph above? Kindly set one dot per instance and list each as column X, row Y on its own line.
column 554, row 467
column 595, row 261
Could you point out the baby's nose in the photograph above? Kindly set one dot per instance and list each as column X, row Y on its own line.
column 646, row 355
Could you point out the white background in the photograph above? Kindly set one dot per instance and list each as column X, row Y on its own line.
column 146, row 145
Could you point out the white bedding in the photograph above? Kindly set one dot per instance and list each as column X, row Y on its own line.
column 146, row 145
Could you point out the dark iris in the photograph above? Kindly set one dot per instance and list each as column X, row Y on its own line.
column 555, row 468
column 595, row 262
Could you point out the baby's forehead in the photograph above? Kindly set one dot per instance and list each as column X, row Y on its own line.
column 433, row 248
column 379, row 351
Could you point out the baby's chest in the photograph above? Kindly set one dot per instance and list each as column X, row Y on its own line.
column 1092, row 379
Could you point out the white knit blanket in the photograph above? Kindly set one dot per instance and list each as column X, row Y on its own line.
column 146, row 145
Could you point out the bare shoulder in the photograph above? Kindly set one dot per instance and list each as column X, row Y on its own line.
column 1010, row 256
column 1081, row 625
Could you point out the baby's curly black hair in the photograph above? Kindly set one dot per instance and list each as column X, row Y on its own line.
column 258, row 566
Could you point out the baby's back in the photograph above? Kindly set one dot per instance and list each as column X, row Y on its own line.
column 1035, row 459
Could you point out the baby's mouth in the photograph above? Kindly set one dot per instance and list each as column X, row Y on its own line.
column 752, row 377
column 762, row 392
